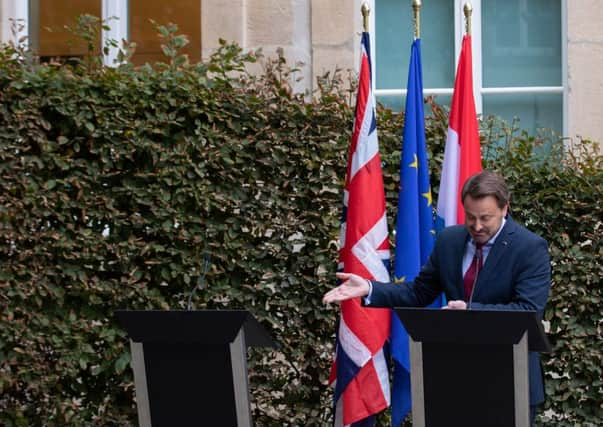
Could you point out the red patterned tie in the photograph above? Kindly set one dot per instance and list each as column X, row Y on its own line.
column 472, row 272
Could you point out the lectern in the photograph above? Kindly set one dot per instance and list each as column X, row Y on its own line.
column 190, row 367
column 470, row 367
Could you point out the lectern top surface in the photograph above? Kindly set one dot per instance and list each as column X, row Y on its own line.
column 474, row 326
column 201, row 326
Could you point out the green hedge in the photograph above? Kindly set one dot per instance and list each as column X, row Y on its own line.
column 116, row 183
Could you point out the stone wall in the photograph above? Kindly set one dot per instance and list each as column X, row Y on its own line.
column 584, row 65
column 320, row 34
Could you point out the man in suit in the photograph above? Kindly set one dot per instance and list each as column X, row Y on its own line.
column 490, row 263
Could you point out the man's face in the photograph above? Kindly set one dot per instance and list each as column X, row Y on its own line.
column 483, row 217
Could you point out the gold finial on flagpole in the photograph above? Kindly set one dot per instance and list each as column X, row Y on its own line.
column 468, row 9
column 365, row 15
column 416, row 7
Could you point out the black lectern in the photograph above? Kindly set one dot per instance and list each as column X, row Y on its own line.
column 190, row 367
column 470, row 367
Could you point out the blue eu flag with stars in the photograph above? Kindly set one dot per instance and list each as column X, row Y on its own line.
column 415, row 233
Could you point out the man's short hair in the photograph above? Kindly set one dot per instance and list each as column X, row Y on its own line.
column 485, row 184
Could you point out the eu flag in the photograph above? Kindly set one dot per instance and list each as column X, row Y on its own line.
column 414, row 225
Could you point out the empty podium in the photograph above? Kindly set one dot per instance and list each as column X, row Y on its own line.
column 190, row 367
column 470, row 367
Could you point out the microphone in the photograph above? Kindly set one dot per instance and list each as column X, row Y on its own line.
column 200, row 280
column 478, row 267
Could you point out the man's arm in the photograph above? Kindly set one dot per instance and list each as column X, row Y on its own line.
column 418, row 293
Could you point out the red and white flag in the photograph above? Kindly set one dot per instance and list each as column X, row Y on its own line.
column 462, row 155
column 360, row 370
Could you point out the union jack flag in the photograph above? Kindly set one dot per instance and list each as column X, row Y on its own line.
column 360, row 370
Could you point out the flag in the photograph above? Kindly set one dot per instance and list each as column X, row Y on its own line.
column 414, row 225
column 462, row 155
column 360, row 371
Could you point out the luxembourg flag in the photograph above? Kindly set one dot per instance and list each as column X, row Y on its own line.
column 462, row 155
column 360, row 371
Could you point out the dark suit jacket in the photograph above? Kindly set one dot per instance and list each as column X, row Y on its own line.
column 515, row 276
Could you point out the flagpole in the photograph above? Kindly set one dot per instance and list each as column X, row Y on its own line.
column 468, row 10
column 366, row 10
column 416, row 7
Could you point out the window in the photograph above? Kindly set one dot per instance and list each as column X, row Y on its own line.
column 127, row 19
column 47, row 34
column 185, row 13
column 517, row 56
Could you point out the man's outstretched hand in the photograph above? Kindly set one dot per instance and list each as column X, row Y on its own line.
column 353, row 286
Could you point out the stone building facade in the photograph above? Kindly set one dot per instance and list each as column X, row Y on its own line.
column 324, row 35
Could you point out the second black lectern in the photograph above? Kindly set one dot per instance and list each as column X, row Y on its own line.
column 469, row 367
column 190, row 367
